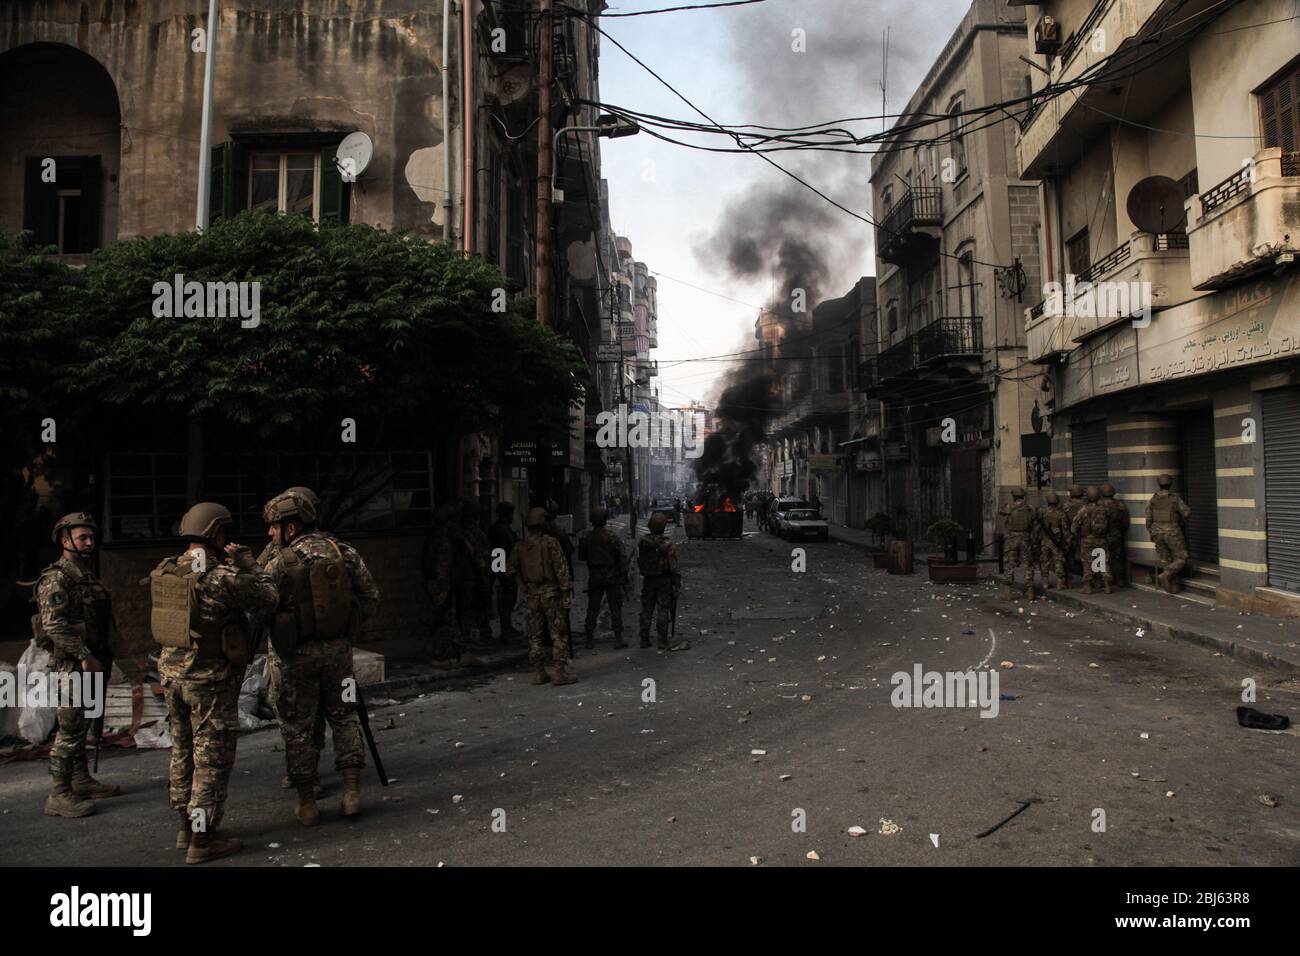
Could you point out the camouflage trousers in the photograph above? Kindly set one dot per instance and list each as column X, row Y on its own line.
column 1171, row 547
column 205, row 730
column 1051, row 556
column 1091, row 543
column 1117, row 557
column 318, row 679
column 274, row 678
column 611, row 591
column 507, row 596
column 1017, row 552
column 656, row 596
column 69, row 746
column 545, row 611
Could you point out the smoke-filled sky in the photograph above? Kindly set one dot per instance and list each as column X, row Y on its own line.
column 727, row 223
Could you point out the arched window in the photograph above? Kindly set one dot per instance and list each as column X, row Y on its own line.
column 956, row 136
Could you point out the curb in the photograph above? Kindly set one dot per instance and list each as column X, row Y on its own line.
column 434, row 680
column 1229, row 648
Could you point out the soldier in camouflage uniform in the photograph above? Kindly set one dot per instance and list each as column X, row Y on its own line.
column 74, row 622
column 501, row 535
column 661, row 582
column 1053, row 541
column 548, row 593
column 206, row 642
column 606, row 574
column 261, row 627
column 1018, row 543
column 1166, row 517
column 566, row 545
column 438, row 556
column 315, row 647
column 479, row 551
column 1092, row 527
column 1116, row 546
column 1073, row 505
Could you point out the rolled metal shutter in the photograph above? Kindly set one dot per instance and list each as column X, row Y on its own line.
column 1089, row 454
column 1282, row 486
column 1200, row 487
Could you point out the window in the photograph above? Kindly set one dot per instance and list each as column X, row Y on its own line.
column 887, row 198
column 1077, row 253
column 1189, row 185
column 891, row 312
column 64, row 212
column 966, row 283
column 957, row 137
column 284, row 182
column 1279, row 113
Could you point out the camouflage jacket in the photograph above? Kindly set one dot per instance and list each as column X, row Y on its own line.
column 566, row 543
column 71, row 615
column 1053, row 523
column 1179, row 508
column 1072, row 507
column 1119, row 515
column 539, row 562
column 604, row 554
column 225, row 594
column 1086, row 521
column 314, row 545
column 667, row 557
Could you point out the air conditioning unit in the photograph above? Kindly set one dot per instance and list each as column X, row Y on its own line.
column 1047, row 35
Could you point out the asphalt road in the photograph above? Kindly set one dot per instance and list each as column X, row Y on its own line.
column 797, row 665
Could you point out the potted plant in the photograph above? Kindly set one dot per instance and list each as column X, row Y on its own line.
column 945, row 568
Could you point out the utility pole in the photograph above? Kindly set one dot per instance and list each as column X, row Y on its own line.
column 202, row 213
column 544, row 161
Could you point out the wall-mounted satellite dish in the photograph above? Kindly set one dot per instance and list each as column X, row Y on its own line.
column 1156, row 205
column 353, row 155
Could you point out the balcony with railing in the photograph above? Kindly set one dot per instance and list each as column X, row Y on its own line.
column 910, row 230
column 1150, row 270
column 947, row 350
column 1247, row 224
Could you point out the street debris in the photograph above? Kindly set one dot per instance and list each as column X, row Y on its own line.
column 1268, row 800
column 934, row 838
column 888, row 827
column 755, row 860
column 856, row 831
column 1024, row 805
column 812, row 855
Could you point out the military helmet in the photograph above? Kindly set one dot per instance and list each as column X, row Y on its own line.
column 1108, row 490
column 536, row 518
column 658, row 521
column 1076, row 491
column 599, row 515
column 1094, row 493
column 1164, row 481
column 1017, row 492
column 201, row 522
column 288, row 505
column 76, row 519
column 302, row 491
column 505, row 509
column 1053, row 498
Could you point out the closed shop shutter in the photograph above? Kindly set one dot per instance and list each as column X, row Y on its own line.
column 1282, row 486
column 1200, row 487
column 1089, row 454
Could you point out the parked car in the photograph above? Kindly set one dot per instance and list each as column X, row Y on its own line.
column 779, row 507
column 665, row 506
column 803, row 523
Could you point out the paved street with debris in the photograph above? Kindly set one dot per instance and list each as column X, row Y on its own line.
column 779, row 714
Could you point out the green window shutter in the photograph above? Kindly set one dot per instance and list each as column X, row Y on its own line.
column 219, row 185
column 40, row 203
column 91, row 171
column 335, row 194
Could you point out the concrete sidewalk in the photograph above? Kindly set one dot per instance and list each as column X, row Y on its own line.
column 1253, row 638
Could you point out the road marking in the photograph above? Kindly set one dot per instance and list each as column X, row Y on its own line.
column 989, row 655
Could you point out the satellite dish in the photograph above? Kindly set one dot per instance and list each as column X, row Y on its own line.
column 1156, row 205
column 353, row 155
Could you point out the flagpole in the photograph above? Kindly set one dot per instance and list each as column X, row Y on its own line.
column 205, row 136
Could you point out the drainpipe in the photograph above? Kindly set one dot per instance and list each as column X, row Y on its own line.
column 446, row 122
column 467, row 118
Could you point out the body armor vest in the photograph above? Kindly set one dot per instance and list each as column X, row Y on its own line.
column 650, row 557
column 322, row 591
column 174, row 617
column 1162, row 508
column 1018, row 518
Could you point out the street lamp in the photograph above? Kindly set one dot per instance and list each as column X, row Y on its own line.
column 608, row 125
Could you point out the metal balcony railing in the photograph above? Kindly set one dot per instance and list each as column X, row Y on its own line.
column 1036, row 311
column 1171, row 240
column 951, row 337
column 1291, row 164
column 916, row 206
column 1104, row 265
column 898, row 359
column 1234, row 185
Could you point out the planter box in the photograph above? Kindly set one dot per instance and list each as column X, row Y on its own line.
column 961, row 572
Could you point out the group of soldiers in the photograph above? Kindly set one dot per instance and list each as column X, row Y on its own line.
column 1089, row 531
column 308, row 593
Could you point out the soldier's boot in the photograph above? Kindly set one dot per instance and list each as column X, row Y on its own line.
column 204, row 847
column 86, row 786
column 351, row 791
column 64, row 802
column 539, row 673
column 618, row 639
column 183, row 832
column 662, row 644
column 564, row 674
column 308, row 813
column 590, row 642
column 1162, row 579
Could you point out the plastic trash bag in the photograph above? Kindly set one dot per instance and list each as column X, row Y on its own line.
column 35, row 724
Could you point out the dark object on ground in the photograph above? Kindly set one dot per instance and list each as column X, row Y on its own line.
column 1024, row 805
column 1254, row 719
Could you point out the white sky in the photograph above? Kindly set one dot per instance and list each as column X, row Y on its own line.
column 737, row 65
